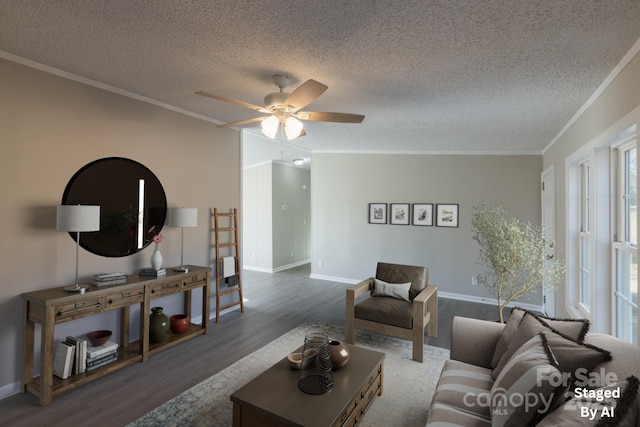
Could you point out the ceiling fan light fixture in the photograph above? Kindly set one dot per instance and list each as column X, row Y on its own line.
column 292, row 127
column 270, row 126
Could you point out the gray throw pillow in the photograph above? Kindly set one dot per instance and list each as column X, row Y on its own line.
column 394, row 290
column 525, row 388
column 575, row 329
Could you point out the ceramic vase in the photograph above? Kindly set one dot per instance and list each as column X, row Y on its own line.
column 156, row 259
column 339, row 354
column 179, row 323
column 158, row 325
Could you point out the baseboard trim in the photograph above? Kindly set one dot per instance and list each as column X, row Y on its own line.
column 490, row 301
column 277, row 269
column 9, row 390
column 449, row 295
column 334, row 279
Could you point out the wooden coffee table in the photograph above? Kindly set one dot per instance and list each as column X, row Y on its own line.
column 273, row 397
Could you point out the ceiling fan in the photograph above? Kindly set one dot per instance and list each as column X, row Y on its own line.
column 284, row 109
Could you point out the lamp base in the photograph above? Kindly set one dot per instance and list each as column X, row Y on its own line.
column 81, row 289
column 182, row 269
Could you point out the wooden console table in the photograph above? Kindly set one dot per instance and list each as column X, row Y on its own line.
column 51, row 306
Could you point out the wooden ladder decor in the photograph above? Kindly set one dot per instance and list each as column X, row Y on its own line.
column 234, row 246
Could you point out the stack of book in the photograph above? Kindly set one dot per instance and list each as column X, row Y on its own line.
column 109, row 279
column 63, row 360
column 70, row 357
column 153, row 273
column 79, row 365
column 100, row 355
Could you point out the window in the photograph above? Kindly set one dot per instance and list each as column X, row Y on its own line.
column 584, row 232
column 625, row 245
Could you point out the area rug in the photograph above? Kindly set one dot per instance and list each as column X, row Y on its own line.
column 408, row 385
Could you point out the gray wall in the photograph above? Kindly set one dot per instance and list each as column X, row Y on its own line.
column 345, row 247
column 50, row 127
column 276, row 204
column 257, row 236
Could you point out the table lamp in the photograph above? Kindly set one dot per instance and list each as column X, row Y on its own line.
column 182, row 217
column 77, row 218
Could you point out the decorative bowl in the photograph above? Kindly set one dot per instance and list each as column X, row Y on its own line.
column 99, row 337
column 295, row 359
column 179, row 323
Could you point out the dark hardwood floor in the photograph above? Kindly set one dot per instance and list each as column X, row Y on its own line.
column 276, row 304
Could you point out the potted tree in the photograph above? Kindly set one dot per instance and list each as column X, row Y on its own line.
column 516, row 254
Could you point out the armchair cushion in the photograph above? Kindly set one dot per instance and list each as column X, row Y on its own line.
column 390, row 311
column 397, row 273
column 393, row 290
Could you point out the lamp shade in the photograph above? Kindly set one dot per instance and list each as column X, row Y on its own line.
column 78, row 218
column 182, row 217
column 270, row 126
column 292, row 127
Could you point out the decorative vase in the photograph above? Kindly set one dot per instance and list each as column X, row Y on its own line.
column 158, row 325
column 339, row 354
column 179, row 323
column 315, row 376
column 156, row 259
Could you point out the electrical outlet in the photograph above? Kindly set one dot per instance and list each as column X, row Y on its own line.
column 474, row 280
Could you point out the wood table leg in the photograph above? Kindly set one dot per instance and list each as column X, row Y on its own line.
column 28, row 335
column 46, row 356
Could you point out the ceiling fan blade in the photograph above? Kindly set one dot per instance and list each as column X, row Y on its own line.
column 319, row 116
column 233, row 101
column 242, row 122
column 305, row 94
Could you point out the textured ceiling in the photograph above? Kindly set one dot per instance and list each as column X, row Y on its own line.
column 447, row 75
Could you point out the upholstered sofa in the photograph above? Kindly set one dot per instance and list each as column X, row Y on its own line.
column 535, row 370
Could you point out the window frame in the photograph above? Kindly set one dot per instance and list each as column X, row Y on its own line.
column 624, row 243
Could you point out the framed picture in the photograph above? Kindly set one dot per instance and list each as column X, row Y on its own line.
column 447, row 215
column 377, row 213
column 423, row 214
column 399, row 213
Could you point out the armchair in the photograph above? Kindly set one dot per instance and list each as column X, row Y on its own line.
column 392, row 316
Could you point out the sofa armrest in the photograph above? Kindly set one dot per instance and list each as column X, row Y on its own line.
column 474, row 341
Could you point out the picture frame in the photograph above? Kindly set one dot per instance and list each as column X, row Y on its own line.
column 447, row 215
column 377, row 213
column 399, row 213
column 422, row 214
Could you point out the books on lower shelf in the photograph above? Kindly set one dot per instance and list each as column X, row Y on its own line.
column 80, row 360
column 108, row 279
column 75, row 356
column 96, row 351
column 102, row 360
column 152, row 272
column 63, row 360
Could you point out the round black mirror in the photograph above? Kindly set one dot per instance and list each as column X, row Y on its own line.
column 131, row 199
